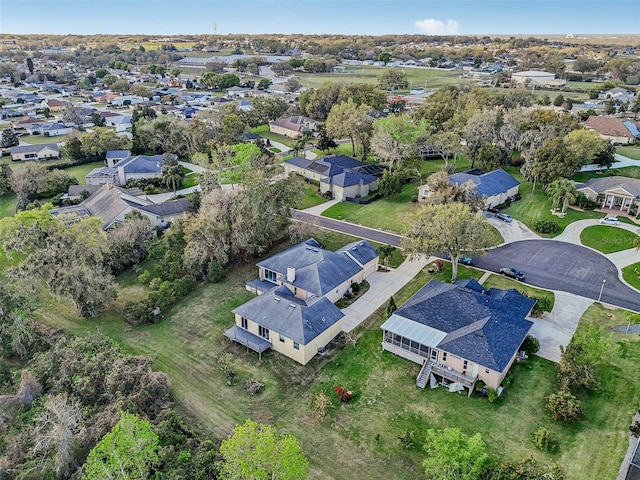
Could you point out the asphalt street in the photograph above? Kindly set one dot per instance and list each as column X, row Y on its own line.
column 562, row 266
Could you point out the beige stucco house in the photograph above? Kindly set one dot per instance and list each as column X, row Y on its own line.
column 294, row 313
column 616, row 192
column 292, row 127
column 616, row 130
column 44, row 151
column 459, row 333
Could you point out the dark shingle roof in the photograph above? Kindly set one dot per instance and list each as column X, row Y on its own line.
column 487, row 184
column 170, row 207
column 363, row 252
column 280, row 311
column 602, row 184
column 317, row 270
column 34, row 148
column 142, row 164
column 118, row 153
column 349, row 178
column 499, row 315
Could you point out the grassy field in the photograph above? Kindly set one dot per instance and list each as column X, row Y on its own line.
column 188, row 345
column 631, row 151
column 631, row 275
column 536, row 206
column 7, row 205
column 427, row 78
column 607, row 239
column 498, row 281
column 40, row 139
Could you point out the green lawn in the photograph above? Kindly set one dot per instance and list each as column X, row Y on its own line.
column 631, row 275
column 80, row 171
column 607, row 239
column 263, row 131
column 40, row 139
column 536, row 206
column 630, row 151
column 498, row 281
column 191, row 180
column 7, row 206
column 311, row 197
column 188, row 345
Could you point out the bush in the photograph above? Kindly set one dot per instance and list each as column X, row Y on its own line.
column 492, row 395
column 184, row 286
column 154, row 284
column 144, row 277
column 543, row 304
column 585, row 202
column 355, row 288
column 546, row 226
column 564, row 406
column 531, row 345
column 544, row 441
column 215, row 272
column 137, row 313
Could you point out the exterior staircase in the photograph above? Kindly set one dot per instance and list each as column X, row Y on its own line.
column 423, row 376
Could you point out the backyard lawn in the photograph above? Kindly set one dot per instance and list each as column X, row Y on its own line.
column 631, row 275
column 629, row 151
column 311, row 197
column 80, row 171
column 7, row 205
column 263, row 131
column 537, row 206
column 607, row 239
column 40, row 139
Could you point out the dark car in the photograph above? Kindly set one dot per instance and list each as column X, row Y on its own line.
column 495, row 211
column 504, row 217
column 465, row 260
column 512, row 273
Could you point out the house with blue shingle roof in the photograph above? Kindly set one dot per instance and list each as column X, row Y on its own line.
column 496, row 186
column 460, row 333
column 295, row 312
column 343, row 176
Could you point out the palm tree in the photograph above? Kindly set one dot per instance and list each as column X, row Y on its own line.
column 385, row 252
column 562, row 190
column 307, row 137
column 173, row 177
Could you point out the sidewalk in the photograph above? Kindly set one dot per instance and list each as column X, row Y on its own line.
column 620, row 162
column 318, row 209
column 383, row 285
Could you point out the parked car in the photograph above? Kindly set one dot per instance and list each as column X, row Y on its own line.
column 504, row 217
column 495, row 211
column 610, row 221
column 465, row 260
column 512, row 273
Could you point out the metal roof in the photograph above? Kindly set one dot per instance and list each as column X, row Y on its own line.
column 415, row 331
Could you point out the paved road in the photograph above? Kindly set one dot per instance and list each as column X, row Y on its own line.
column 348, row 228
column 563, row 266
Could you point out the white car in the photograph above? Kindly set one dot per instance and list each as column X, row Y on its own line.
column 610, row 221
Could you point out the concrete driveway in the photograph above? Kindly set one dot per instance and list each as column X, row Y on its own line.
column 562, row 266
column 512, row 231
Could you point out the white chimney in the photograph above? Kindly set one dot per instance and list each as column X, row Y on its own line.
column 291, row 274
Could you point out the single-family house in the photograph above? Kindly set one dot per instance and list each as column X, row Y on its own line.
column 618, row 94
column 44, row 151
column 496, row 186
column 121, row 123
column 111, row 204
column 615, row 192
column 127, row 100
column 614, row 129
column 139, row 166
column 343, row 176
column 460, row 333
column 294, row 313
column 49, row 129
column 115, row 156
column 292, row 127
column 55, row 105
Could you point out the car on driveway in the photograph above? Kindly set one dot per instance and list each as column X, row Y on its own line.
column 512, row 273
column 610, row 221
column 504, row 217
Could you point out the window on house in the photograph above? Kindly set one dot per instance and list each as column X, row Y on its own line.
column 296, row 345
column 270, row 276
column 465, row 364
column 444, row 356
column 263, row 332
column 486, row 370
column 243, row 323
column 282, row 338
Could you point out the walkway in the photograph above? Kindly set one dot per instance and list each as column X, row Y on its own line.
column 163, row 197
column 193, row 167
column 620, row 162
column 383, row 285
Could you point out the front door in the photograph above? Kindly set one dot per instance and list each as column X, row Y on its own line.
column 434, row 355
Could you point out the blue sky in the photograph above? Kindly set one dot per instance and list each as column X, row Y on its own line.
column 374, row 17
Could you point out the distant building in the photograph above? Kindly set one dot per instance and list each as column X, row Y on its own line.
column 537, row 78
column 614, row 129
column 292, row 127
column 44, row 151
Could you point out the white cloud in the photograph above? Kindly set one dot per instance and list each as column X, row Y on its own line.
column 431, row 26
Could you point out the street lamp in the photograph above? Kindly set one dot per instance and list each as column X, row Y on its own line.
column 602, row 288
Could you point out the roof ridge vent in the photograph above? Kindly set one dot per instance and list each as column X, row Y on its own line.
column 277, row 299
column 292, row 305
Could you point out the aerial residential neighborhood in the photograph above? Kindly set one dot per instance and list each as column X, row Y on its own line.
column 385, row 241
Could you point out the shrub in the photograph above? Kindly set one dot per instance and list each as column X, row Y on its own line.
column 144, row 277
column 544, row 441
column 531, row 345
column 492, row 395
column 407, row 440
column 546, row 226
column 634, row 429
column 215, row 272
column 184, row 286
column 543, row 304
column 585, row 202
column 439, row 264
column 154, row 284
column 564, row 406
column 355, row 288
column 137, row 313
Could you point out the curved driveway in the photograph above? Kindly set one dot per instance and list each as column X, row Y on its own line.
column 563, row 266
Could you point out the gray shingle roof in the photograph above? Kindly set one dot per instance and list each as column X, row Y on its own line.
column 34, row 148
column 316, row 270
column 118, row 153
column 363, row 252
column 602, row 184
column 142, row 164
column 349, row 178
column 280, row 311
column 488, row 184
column 498, row 315
column 170, row 207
